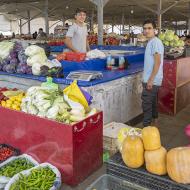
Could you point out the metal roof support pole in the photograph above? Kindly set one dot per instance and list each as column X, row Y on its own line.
column 92, row 21
column 46, row 17
column 159, row 14
column 20, row 25
column 112, row 27
column 100, row 9
column 28, row 13
column 123, row 21
column 176, row 27
column 188, row 23
column 63, row 20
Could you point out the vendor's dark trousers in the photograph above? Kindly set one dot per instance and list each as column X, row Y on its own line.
column 149, row 104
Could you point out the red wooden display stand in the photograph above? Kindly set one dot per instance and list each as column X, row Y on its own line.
column 175, row 91
column 76, row 150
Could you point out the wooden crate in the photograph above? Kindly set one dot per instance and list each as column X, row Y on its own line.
column 173, row 100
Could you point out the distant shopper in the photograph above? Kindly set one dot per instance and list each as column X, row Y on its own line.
column 41, row 34
column 13, row 35
column 153, row 74
column 34, row 35
column 76, row 37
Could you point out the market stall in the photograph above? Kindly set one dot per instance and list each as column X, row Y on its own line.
column 114, row 89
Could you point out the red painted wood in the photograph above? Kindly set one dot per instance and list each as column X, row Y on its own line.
column 166, row 100
column 75, row 149
column 170, row 73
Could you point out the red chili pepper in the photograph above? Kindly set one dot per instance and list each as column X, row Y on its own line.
column 5, row 153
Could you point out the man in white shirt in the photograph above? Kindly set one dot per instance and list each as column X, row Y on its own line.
column 76, row 37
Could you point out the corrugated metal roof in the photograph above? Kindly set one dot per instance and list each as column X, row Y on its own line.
column 112, row 12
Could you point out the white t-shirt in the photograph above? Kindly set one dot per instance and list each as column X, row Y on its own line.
column 78, row 34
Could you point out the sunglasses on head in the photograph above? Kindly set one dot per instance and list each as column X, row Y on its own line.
column 147, row 28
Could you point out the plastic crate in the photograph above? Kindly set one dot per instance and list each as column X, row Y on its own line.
column 16, row 151
column 109, row 182
column 116, row 167
column 72, row 56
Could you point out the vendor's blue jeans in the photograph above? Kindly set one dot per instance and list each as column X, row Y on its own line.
column 149, row 104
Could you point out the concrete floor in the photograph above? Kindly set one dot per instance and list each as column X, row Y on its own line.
column 172, row 135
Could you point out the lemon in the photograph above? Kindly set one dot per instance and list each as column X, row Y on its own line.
column 9, row 101
column 16, row 103
column 3, row 103
column 14, row 106
column 8, row 105
column 12, row 98
column 17, row 108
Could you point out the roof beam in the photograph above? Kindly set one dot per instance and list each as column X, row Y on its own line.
column 168, row 8
column 145, row 7
column 183, row 14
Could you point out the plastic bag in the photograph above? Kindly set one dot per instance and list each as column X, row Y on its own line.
column 3, row 179
column 87, row 96
column 74, row 93
column 57, row 182
column 124, row 132
column 33, row 50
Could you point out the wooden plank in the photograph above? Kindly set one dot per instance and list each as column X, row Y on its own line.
column 183, row 71
column 183, row 97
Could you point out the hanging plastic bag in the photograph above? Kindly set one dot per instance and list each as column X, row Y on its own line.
column 87, row 96
column 75, row 94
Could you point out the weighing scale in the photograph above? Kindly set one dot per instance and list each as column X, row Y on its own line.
column 84, row 75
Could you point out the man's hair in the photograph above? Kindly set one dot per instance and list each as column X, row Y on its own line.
column 150, row 22
column 41, row 29
column 80, row 10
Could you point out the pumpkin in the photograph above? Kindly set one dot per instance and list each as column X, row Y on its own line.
column 133, row 151
column 156, row 161
column 178, row 164
column 151, row 138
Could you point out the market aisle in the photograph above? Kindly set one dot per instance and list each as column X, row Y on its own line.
column 172, row 128
column 172, row 134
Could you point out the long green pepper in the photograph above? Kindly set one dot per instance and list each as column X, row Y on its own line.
column 38, row 179
column 15, row 166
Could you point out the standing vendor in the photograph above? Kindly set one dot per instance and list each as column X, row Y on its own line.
column 153, row 74
column 76, row 37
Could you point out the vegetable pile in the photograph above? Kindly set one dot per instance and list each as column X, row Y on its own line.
column 41, row 178
column 11, row 98
column 13, row 58
column 15, row 166
column 170, row 39
column 50, row 103
column 147, row 148
column 40, row 64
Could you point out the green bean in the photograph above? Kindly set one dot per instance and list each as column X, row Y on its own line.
column 15, row 166
column 38, row 179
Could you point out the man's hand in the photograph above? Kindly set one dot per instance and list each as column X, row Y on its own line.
column 149, row 84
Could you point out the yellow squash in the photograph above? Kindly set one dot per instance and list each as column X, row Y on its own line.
column 133, row 152
column 156, row 161
column 151, row 138
column 178, row 164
